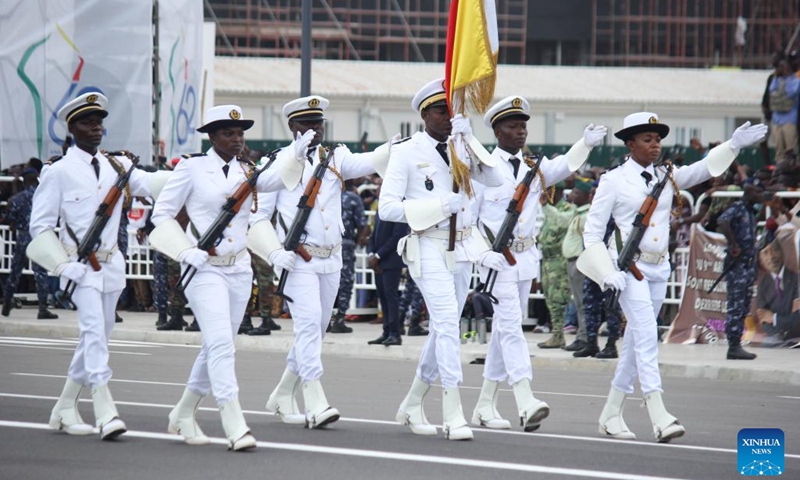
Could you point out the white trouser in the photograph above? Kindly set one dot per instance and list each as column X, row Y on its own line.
column 96, row 317
column 314, row 295
column 508, row 356
column 218, row 301
column 641, row 302
column 445, row 293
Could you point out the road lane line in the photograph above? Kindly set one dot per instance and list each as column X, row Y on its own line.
column 790, row 398
column 377, row 454
column 72, row 349
column 395, row 424
column 146, row 382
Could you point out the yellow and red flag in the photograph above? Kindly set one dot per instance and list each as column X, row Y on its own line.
column 471, row 60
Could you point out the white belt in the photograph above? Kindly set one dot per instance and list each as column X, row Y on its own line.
column 226, row 260
column 440, row 234
column 522, row 245
column 103, row 256
column 322, row 252
column 654, row 258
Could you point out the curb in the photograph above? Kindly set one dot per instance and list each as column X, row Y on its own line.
column 282, row 342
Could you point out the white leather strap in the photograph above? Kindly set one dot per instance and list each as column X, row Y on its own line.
column 103, row 256
column 654, row 258
column 522, row 245
column 445, row 234
column 226, row 260
column 322, row 252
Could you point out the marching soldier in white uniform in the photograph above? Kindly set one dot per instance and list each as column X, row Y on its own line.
column 220, row 289
column 418, row 189
column 312, row 285
column 620, row 194
column 508, row 357
column 72, row 189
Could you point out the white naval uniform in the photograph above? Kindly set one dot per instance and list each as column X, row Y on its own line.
column 71, row 190
column 218, row 294
column 313, row 285
column 508, row 357
column 620, row 194
column 444, row 289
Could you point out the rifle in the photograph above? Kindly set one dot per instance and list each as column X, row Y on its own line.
column 502, row 242
column 297, row 230
column 630, row 251
column 91, row 241
column 762, row 242
column 211, row 238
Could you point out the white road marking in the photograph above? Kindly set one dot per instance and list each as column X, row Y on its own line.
column 115, row 352
column 790, row 398
column 74, row 341
column 548, row 393
column 353, row 452
column 397, row 425
column 146, row 382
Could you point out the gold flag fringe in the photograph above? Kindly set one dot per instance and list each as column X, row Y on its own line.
column 479, row 95
column 460, row 172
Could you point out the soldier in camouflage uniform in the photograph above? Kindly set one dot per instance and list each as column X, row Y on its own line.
column 411, row 302
column 738, row 224
column 266, row 290
column 555, row 283
column 19, row 215
column 356, row 232
column 166, row 274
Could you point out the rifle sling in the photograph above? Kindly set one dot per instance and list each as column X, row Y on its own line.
column 489, row 234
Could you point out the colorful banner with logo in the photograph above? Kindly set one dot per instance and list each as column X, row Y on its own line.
column 52, row 52
column 180, row 30
column 701, row 316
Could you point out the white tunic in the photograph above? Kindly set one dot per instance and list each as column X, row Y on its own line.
column 324, row 228
column 200, row 184
column 71, row 190
column 491, row 203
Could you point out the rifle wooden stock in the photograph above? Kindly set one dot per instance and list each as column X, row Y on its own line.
column 520, row 195
column 637, row 274
column 301, row 250
column 509, row 256
column 92, row 259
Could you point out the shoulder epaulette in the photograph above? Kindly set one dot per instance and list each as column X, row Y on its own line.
column 402, row 140
column 612, row 168
column 53, row 159
column 190, row 155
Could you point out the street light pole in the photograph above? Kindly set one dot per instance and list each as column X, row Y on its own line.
column 305, row 65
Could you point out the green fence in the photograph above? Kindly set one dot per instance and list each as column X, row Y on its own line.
column 600, row 156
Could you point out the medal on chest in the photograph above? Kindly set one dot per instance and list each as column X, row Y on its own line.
column 428, row 183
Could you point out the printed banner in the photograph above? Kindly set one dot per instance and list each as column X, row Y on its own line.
column 701, row 316
column 180, row 31
column 53, row 51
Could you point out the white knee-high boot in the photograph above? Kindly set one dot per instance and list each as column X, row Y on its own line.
column 65, row 415
column 485, row 413
column 411, row 412
column 531, row 410
column 455, row 425
column 611, row 421
column 318, row 411
column 182, row 420
column 236, row 429
column 283, row 400
column 106, row 414
column 665, row 426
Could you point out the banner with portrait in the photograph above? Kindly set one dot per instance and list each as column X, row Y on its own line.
column 701, row 315
column 52, row 52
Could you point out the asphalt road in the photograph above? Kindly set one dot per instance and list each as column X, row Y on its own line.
column 366, row 442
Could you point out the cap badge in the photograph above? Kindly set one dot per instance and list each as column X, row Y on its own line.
column 653, row 120
column 235, row 114
column 516, row 103
column 313, row 103
column 91, row 98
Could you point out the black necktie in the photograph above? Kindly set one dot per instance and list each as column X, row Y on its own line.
column 96, row 166
column 309, row 155
column 442, row 149
column 225, row 170
column 514, row 161
column 647, row 177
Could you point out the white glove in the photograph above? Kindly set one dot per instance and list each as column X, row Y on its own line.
column 617, row 281
column 74, row 271
column 283, row 259
column 193, row 256
column 461, row 125
column 495, row 261
column 451, row 203
column 301, row 143
column 747, row 135
column 594, row 135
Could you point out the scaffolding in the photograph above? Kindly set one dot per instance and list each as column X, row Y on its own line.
column 692, row 33
column 395, row 30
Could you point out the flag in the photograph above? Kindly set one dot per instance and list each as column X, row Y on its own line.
column 471, row 60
